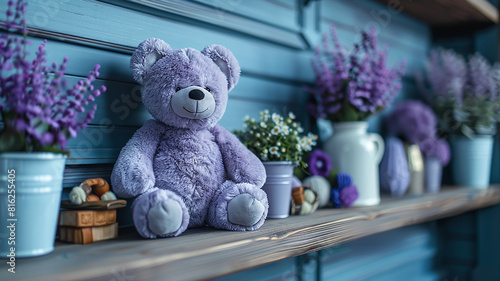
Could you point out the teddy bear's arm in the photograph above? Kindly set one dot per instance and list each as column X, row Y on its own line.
column 133, row 171
column 242, row 166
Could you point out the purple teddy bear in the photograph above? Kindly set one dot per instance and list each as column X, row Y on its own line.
column 186, row 170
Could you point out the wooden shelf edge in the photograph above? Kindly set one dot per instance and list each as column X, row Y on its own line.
column 486, row 8
column 447, row 13
column 205, row 253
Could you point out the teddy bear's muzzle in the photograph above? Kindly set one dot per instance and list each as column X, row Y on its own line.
column 193, row 102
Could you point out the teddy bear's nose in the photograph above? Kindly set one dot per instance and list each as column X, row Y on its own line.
column 196, row 95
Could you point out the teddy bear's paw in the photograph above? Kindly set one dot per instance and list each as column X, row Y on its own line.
column 160, row 213
column 165, row 217
column 244, row 210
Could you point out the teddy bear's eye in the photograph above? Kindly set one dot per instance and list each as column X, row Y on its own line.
column 207, row 88
column 177, row 89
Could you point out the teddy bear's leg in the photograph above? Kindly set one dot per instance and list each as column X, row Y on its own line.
column 238, row 206
column 160, row 213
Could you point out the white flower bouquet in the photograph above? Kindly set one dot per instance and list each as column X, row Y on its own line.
column 273, row 137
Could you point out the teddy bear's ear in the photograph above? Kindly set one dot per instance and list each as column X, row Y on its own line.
column 145, row 56
column 226, row 61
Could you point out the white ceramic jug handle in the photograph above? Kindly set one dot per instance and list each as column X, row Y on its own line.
column 379, row 141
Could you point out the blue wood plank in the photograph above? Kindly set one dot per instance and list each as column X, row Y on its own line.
column 393, row 27
column 98, row 144
column 462, row 251
column 488, row 244
column 122, row 29
column 281, row 270
column 495, row 162
column 224, row 19
column 283, row 14
column 381, row 254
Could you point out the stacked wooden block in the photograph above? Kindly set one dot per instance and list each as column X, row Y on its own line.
column 87, row 226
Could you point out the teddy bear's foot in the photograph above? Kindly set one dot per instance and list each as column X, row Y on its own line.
column 244, row 210
column 239, row 206
column 165, row 217
column 161, row 213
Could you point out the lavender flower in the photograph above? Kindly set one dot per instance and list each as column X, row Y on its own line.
column 464, row 95
column 319, row 163
column 480, row 78
column 37, row 110
column 352, row 87
column 412, row 121
column 447, row 75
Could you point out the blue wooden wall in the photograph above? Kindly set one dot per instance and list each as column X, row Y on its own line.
column 272, row 40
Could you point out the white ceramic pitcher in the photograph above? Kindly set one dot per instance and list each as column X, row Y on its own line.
column 358, row 153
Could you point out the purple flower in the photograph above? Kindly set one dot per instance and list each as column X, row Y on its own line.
column 465, row 95
column 348, row 195
column 319, row 163
column 481, row 79
column 358, row 82
column 438, row 148
column 446, row 74
column 344, row 193
column 412, row 121
column 35, row 103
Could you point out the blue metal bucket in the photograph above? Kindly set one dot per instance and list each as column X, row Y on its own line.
column 29, row 202
column 278, row 188
column 471, row 161
column 433, row 174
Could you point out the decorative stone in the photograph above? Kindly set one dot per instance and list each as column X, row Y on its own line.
column 394, row 173
column 309, row 196
column 305, row 208
column 343, row 180
column 321, row 186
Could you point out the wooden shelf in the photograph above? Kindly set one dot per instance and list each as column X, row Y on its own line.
column 450, row 13
column 206, row 253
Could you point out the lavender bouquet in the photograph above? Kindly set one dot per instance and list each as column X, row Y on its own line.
column 355, row 86
column 38, row 112
column 464, row 94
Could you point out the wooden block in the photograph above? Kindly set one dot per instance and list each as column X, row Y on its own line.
column 83, row 218
column 94, row 205
column 298, row 195
column 87, row 235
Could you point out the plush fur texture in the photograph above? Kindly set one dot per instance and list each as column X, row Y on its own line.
column 184, row 169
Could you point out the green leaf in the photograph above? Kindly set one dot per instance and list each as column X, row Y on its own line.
column 350, row 113
column 300, row 173
column 460, row 115
column 11, row 140
column 467, row 131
